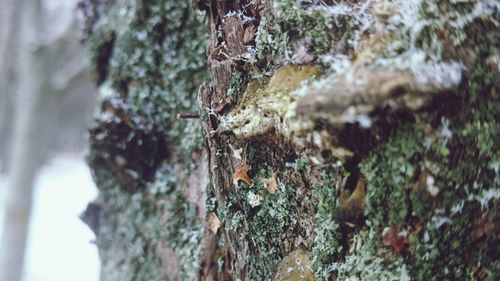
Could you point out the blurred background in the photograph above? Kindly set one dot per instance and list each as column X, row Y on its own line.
column 46, row 105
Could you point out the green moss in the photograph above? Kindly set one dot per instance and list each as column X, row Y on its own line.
column 388, row 171
column 267, row 222
column 263, row 265
column 266, row 227
column 453, row 21
column 482, row 135
column 133, row 225
column 157, row 61
column 438, row 24
column 183, row 234
column 327, row 234
column 469, row 201
column 465, row 199
column 300, row 164
column 363, row 262
column 290, row 23
column 128, row 232
column 235, row 88
column 150, row 58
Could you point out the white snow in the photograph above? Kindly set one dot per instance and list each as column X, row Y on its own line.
column 59, row 246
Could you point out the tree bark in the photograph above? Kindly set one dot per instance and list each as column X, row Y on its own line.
column 341, row 141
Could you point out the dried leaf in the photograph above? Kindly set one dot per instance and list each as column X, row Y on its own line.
column 396, row 239
column 271, row 184
column 249, row 34
column 213, row 222
column 420, row 183
column 242, row 175
column 350, row 209
column 482, row 226
column 355, row 202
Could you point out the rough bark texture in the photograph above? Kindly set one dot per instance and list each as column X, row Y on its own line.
column 340, row 141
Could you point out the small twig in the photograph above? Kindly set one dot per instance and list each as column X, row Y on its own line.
column 187, row 116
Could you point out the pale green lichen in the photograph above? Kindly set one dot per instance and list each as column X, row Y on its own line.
column 156, row 65
column 394, row 198
column 327, row 233
column 267, row 222
column 393, row 166
column 266, row 229
column 235, row 88
column 297, row 34
column 183, row 234
column 133, row 255
column 417, row 28
column 364, row 263
column 152, row 55
column 141, row 225
column 262, row 109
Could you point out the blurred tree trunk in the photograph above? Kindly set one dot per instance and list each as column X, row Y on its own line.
column 341, row 140
column 9, row 46
column 23, row 159
column 51, row 67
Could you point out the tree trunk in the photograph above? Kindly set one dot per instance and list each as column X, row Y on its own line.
column 9, row 46
column 50, row 67
column 24, row 156
column 340, row 141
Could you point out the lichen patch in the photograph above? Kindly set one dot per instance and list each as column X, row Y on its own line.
column 262, row 109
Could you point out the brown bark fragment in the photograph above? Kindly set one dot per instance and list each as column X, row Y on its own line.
column 221, row 74
column 249, row 34
column 208, row 265
column 195, row 189
column 213, row 222
column 234, row 34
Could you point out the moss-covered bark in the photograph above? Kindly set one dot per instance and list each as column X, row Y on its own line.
column 148, row 60
column 336, row 141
